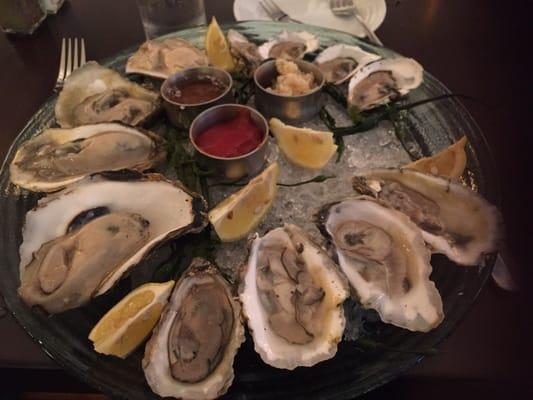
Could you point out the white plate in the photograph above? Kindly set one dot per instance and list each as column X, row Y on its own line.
column 317, row 12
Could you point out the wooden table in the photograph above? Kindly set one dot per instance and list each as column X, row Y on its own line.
column 477, row 48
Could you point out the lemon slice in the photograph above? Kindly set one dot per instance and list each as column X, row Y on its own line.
column 129, row 322
column 450, row 162
column 241, row 212
column 217, row 48
column 303, row 146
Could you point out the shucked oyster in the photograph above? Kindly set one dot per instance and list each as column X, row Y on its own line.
column 58, row 157
column 292, row 295
column 162, row 58
column 384, row 257
column 94, row 94
column 77, row 243
column 289, row 45
column 340, row 62
column 244, row 52
column 191, row 351
column 381, row 81
column 454, row 220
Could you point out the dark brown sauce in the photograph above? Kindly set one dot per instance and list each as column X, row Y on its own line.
column 195, row 91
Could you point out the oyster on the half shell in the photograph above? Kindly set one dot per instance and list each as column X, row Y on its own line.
column 454, row 220
column 382, row 81
column 385, row 259
column 93, row 94
column 340, row 62
column 289, row 45
column 292, row 295
column 244, row 52
column 58, row 157
column 164, row 57
column 77, row 243
column 191, row 351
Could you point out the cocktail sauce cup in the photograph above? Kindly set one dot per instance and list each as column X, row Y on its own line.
column 229, row 168
column 182, row 114
column 290, row 109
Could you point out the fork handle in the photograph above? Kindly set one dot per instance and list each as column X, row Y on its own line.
column 369, row 32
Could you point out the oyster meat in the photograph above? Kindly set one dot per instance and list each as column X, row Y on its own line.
column 289, row 45
column 244, row 52
column 340, row 62
column 382, row 81
column 93, row 94
column 191, row 351
column 292, row 295
column 58, row 157
column 384, row 257
column 77, row 243
column 454, row 220
column 162, row 58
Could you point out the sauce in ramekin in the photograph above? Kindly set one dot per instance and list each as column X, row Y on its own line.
column 199, row 90
column 232, row 138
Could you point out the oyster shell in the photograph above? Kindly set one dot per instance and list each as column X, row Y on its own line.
column 340, row 62
column 58, row 157
column 381, row 81
column 292, row 295
column 244, row 52
column 93, row 94
column 78, row 242
column 190, row 354
column 384, row 257
column 164, row 57
column 454, row 220
column 289, row 45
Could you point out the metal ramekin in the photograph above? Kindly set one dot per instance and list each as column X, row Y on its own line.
column 290, row 109
column 229, row 168
column 181, row 115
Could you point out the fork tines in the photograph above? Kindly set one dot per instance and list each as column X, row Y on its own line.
column 272, row 10
column 71, row 59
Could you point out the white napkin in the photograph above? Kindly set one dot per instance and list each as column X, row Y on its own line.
column 317, row 12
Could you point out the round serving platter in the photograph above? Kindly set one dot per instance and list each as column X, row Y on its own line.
column 358, row 367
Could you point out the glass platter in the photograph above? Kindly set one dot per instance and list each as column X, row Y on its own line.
column 353, row 370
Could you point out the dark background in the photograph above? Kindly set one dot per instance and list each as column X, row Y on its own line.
column 476, row 47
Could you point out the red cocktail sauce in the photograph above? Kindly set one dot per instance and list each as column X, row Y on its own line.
column 232, row 138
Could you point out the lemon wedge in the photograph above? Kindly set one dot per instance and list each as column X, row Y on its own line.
column 450, row 162
column 217, row 48
column 241, row 212
column 131, row 320
column 303, row 146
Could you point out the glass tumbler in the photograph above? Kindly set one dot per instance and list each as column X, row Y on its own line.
column 164, row 16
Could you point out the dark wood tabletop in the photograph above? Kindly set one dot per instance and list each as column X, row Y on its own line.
column 475, row 47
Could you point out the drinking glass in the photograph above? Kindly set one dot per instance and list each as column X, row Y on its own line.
column 164, row 16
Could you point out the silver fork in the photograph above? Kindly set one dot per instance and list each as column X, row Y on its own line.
column 70, row 59
column 346, row 8
column 274, row 12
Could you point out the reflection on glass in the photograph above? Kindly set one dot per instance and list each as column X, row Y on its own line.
column 164, row 16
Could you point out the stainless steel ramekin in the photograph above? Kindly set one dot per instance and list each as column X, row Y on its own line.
column 290, row 109
column 181, row 115
column 229, row 168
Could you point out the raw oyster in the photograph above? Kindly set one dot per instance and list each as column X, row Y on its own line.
column 289, row 45
column 162, row 58
column 454, row 220
column 58, row 157
column 191, row 351
column 384, row 257
column 94, row 94
column 292, row 295
column 78, row 242
column 380, row 82
column 244, row 52
column 340, row 62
